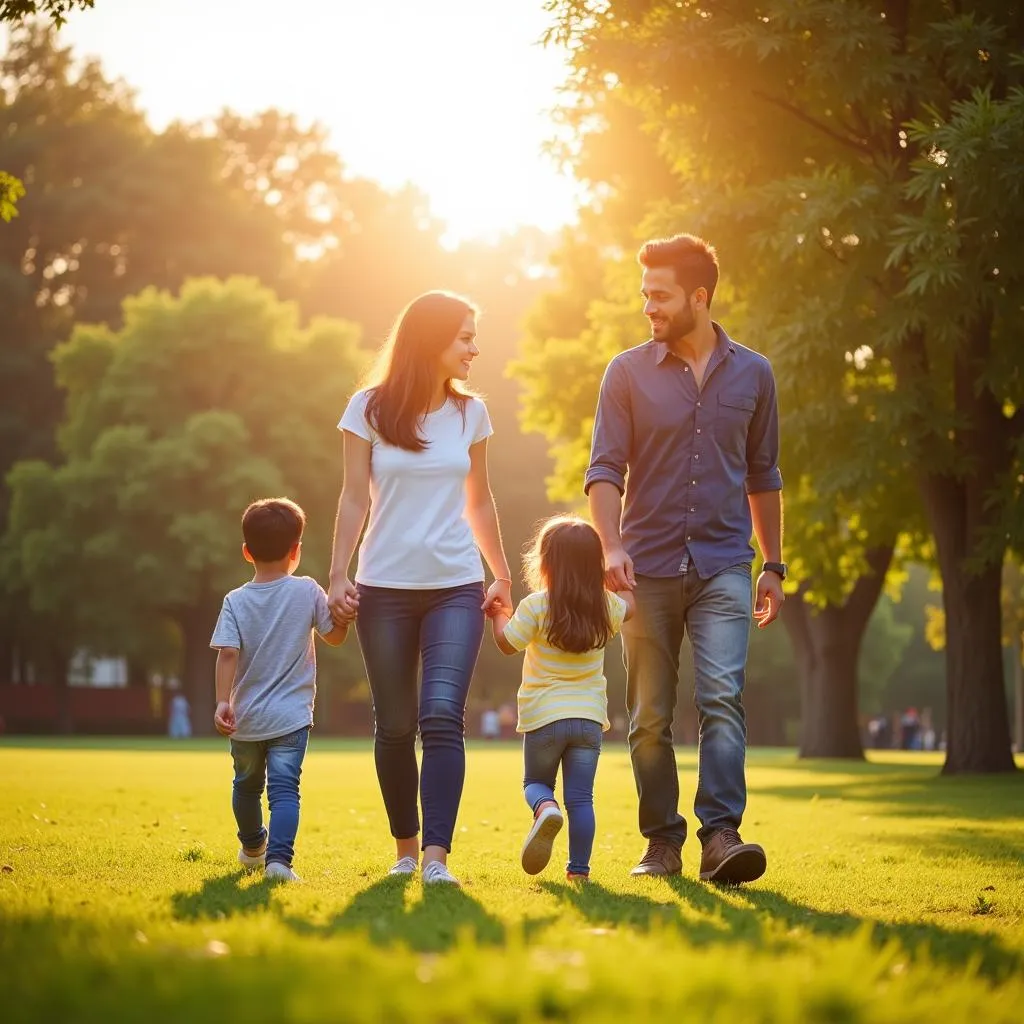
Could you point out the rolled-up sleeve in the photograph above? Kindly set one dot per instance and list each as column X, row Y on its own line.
column 763, row 472
column 613, row 430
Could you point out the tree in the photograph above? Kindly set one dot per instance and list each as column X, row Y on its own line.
column 196, row 406
column 858, row 167
column 56, row 10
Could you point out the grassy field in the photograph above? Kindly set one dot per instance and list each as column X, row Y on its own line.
column 892, row 895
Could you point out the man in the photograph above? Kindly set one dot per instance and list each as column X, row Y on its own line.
column 687, row 431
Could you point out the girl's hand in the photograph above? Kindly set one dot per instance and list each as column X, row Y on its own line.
column 498, row 598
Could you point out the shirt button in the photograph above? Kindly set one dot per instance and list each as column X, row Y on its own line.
column 697, row 456
column 698, row 405
column 688, row 537
column 686, row 369
column 692, row 509
column 698, row 430
column 694, row 482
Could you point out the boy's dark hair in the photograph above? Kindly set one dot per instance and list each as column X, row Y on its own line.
column 694, row 261
column 271, row 528
column 566, row 559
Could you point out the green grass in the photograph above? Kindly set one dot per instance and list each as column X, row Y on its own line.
column 892, row 895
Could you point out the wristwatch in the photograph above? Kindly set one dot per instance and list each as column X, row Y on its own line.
column 779, row 568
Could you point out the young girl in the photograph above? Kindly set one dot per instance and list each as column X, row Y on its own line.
column 563, row 626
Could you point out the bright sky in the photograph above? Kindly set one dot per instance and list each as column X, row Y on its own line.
column 451, row 95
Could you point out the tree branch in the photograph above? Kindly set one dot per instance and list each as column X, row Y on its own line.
column 860, row 145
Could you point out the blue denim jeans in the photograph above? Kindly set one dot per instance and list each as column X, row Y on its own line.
column 276, row 764
column 434, row 635
column 716, row 613
column 575, row 744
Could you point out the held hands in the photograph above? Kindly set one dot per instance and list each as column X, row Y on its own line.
column 224, row 718
column 618, row 571
column 498, row 599
column 768, row 602
column 343, row 602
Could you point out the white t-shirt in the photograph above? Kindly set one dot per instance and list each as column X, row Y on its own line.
column 418, row 537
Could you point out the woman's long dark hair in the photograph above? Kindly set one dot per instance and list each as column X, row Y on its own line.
column 402, row 383
column 566, row 560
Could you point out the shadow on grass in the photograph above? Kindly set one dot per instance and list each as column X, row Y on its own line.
column 908, row 792
column 767, row 918
column 431, row 924
column 224, row 896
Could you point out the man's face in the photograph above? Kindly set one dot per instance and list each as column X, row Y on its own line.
column 666, row 305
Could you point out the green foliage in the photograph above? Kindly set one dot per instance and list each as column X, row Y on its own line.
column 11, row 190
column 56, row 10
column 119, row 866
column 199, row 404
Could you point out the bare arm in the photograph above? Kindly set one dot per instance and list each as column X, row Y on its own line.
column 482, row 517
column 336, row 637
column 498, row 623
column 766, row 516
column 606, row 515
column 227, row 667
column 353, row 504
column 630, row 601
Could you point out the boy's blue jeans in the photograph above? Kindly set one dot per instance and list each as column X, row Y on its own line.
column 276, row 763
column 575, row 744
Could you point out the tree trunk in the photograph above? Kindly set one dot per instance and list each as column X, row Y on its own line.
column 1018, row 690
column 978, row 724
column 57, row 660
column 827, row 645
column 198, row 664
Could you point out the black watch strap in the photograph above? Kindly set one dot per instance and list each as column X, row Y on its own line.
column 779, row 568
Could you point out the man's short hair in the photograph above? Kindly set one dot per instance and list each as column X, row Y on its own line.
column 272, row 527
column 694, row 261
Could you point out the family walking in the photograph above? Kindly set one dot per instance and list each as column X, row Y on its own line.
column 683, row 469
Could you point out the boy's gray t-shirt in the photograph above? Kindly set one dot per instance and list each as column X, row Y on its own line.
column 271, row 625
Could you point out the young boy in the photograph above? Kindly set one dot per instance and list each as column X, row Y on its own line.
column 266, row 680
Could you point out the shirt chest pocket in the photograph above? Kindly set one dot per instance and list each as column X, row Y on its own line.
column 732, row 423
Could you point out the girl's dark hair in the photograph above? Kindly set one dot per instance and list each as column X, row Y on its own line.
column 402, row 382
column 566, row 560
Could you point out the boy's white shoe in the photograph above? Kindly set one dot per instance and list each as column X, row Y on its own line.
column 405, row 866
column 278, row 870
column 436, row 873
column 251, row 862
column 537, row 848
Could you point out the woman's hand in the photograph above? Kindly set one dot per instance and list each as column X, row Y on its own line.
column 343, row 602
column 498, row 598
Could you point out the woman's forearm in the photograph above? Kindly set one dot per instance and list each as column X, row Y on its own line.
column 347, row 527
column 483, row 521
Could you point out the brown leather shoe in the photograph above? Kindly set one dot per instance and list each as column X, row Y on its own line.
column 662, row 858
column 726, row 858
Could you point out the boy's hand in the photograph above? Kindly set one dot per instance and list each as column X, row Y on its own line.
column 224, row 718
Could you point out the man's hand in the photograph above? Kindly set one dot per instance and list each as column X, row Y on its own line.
column 224, row 718
column 618, row 570
column 769, row 599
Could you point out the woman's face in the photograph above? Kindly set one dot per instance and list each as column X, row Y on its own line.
column 455, row 360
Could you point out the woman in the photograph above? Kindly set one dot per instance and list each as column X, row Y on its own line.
column 416, row 457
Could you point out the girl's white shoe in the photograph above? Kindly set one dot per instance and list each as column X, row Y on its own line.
column 281, row 871
column 405, row 866
column 436, row 873
column 537, row 848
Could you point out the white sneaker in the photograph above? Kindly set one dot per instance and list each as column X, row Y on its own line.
column 537, row 848
column 406, row 866
column 436, row 873
column 278, row 870
column 250, row 862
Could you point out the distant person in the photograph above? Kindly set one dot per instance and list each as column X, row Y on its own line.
column 684, row 467
column 266, row 681
column 490, row 724
column 416, row 460
column 563, row 626
column 179, row 719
